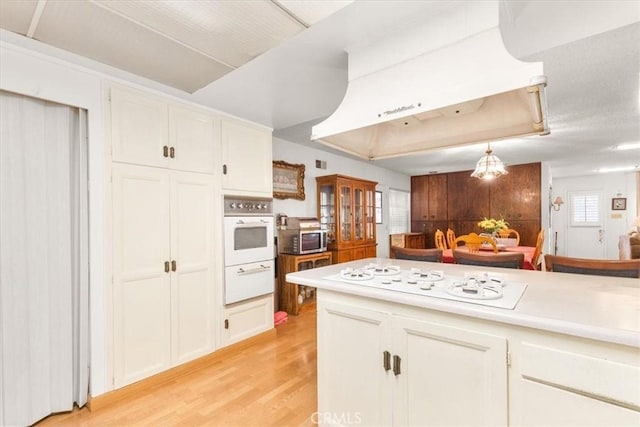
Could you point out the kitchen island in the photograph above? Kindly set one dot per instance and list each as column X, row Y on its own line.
column 567, row 353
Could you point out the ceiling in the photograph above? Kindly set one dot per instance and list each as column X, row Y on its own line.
column 283, row 63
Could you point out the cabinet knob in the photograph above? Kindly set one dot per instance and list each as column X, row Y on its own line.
column 165, row 151
column 172, row 152
column 167, row 268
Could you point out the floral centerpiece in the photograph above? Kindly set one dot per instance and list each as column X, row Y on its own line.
column 492, row 225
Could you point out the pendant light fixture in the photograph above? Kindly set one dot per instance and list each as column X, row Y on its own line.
column 489, row 166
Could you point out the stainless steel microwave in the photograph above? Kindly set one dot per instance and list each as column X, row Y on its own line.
column 301, row 241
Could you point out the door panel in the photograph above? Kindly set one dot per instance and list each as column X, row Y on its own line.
column 352, row 382
column 139, row 126
column 450, row 376
column 192, row 282
column 587, row 240
column 141, row 285
column 191, row 134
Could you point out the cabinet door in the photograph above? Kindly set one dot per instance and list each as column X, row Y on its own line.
column 192, row 137
column 370, row 214
column 358, row 213
column 139, row 129
column 517, row 197
column 247, row 158
column 449, row 376
column 192, row 218
column 468, row 198
column 438, row 197
column 142, row 298
column 345, row 204
column 327, row 210
column 352, row 381
column 246, row 319
column 419, row 198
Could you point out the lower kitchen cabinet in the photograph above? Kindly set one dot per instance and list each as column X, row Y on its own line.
column 245, row 319
column 384, row 369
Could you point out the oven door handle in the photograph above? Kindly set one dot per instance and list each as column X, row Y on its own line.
column 242, row 272
column 241, row 223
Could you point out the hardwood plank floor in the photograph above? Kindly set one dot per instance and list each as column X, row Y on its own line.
column 272, row 384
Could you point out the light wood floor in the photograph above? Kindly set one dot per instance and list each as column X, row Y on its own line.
column 262, row 385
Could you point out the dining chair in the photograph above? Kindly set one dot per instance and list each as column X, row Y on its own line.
column 451, row 238
column 508, row 232
column 538, row 250
column 473, row 242
column 431, row 255
column 598, row 267
column 439, row 240
column 504, row 259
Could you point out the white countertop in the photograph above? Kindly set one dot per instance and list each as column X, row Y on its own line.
column 595, row 307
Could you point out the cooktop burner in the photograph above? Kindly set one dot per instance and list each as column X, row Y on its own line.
column 474, row 287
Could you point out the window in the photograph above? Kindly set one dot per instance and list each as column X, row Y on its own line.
column 585, row 209
column 399, row 211
column 378, row 207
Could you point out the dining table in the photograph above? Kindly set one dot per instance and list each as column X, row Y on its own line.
column 447, row 254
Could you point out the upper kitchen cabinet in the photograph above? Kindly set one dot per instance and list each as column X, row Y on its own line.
column 428, row 203
column 246, row 159
column 150, row 131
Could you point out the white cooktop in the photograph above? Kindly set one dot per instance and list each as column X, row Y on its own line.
column 478, row 287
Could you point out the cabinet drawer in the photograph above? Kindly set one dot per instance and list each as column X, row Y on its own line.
column 592, row 377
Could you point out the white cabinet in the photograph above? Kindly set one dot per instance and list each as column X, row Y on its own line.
column 146, row 130
column 246, row 319
column 247, row 159
column 379, row 368
column 163, row 269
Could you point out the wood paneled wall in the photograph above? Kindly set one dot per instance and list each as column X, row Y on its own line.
column 457, row 201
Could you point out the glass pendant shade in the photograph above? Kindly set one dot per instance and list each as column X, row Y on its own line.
column 489, row 166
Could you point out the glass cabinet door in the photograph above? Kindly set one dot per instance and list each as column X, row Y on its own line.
column 358, row 213
column 345, row 213
column 328, row 211
column 370, row 214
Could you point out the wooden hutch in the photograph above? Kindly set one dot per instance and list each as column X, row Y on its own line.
column 346, row 208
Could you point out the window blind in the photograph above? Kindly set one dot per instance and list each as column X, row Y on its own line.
column 399, row 210
column 585, row 210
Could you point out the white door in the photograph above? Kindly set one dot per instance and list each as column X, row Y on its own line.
column 192, row 219
column 139, row 126
column 142, row 294
column 586, row 235
column 448, row 376
column 246, row 155
column 353, row 385
column 191, row 136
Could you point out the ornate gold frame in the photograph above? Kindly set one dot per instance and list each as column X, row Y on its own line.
column 288, row 180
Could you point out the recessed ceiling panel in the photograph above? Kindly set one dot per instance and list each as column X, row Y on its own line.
column 15, row 15
column 233, row 32
column 97, row 33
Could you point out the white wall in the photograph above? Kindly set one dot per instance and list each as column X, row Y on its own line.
column 611, row 185
column 297, row 153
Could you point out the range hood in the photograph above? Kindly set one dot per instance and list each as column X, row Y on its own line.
column 444, row 82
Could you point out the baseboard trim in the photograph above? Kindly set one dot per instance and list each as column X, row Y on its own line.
column 149, row 384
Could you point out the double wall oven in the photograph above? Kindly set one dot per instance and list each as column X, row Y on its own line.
column 248, row 248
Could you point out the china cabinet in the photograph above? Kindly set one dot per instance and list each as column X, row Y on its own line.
column 346, row 208
column 292, row 298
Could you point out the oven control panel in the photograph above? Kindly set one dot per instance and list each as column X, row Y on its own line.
column 247, row 206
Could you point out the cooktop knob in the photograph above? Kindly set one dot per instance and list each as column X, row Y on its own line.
column 232, row 205
column 239, row 205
